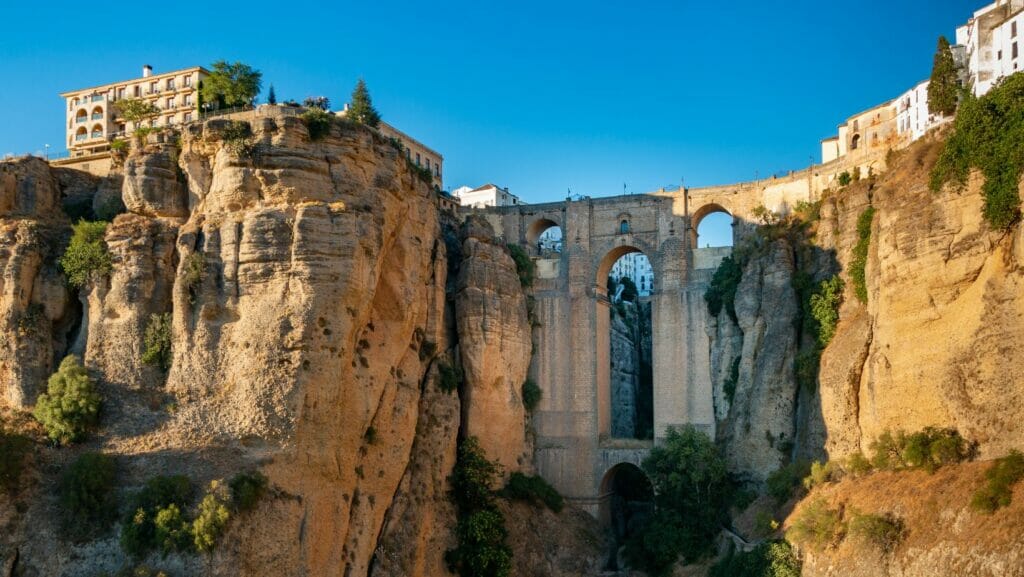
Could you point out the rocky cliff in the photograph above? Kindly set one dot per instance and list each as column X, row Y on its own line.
column 313, row 303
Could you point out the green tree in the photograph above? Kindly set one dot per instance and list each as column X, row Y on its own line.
column 232, row 84
column 70, row 406
column 692, row 488
column 943, row 88
column 86, row 257
column 212, row 518
column 135, row 110
column 271, row 96
column 157, row 340
column 361, row 108
column 87, row 501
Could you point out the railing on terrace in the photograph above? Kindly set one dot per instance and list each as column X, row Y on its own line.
column 97, row 116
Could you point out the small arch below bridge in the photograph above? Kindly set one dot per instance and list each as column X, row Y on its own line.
column 627, row 503
column 544, row 237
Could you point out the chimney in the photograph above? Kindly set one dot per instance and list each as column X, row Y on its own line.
column 147, row 70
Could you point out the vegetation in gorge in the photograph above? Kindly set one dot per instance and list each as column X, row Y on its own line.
column 70, row 407
column 157, row 341
column 817, row 525
column 212, row 517
column 986, row 135
column 88, row 504
column 531, row 394
column 86, row 257
column 524, row 264
column 480, row 530
column 692, row 491
column 193, row 272
column 721, row 293
column 153, row 519
column 449, row 377
column 1000, row 478
column 824, row 309
column 927, row 449
column 769, row 559
column 860, row 254
column 883, row 532
column 786, row 479
column 533, row 489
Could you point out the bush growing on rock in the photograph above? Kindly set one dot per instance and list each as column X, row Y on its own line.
column 821, row 473
column 1000, row 479
column 139, row 531
column 775, row 559
column 692, row 490
column 247, row 489
column 481, row 533
column 193, row 272
column 721, row 293
column 70, row 407
column 171, row 530
column 927, row 449
column 857, row 465
column 786, row 479
column 86, row 258
column 318, row 123
column 88, row 504
column 157, row 341
column 212, row 518
column 524, row 264
column 884, row 532
column 860, row 254
column 531, row 394
column 817, row 525
column 533, row 489
column 825, row 304
column 449, row 377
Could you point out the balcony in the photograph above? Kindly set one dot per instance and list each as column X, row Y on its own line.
column 81, row 137
column 81, row 119
column 97, row 98
column 97, row 116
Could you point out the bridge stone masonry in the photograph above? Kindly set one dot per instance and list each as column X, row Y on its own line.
column 574, row 448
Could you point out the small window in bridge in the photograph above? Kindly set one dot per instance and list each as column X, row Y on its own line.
column 624, row 227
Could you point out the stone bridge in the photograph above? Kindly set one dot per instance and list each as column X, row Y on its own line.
column 574, row 448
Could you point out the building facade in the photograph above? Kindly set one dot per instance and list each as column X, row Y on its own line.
column 93, row 119
column 485, row 196
column 418, row 152
column 991, row 44
column 636, row 267
column 863, row 134
column 913, row 119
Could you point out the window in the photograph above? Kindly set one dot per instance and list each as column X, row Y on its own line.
column 417, row 159
column 188, row 117
column 138, row 90
column 170, row 84
column 188, row 80
column 999, row 55
column 428, row 164
column 154, row 87
column 1013, row 30
column 120, row 93
column 624, row 227
column 188, row 100
column 170, row 120
column 1014, row 50
column 437, row 170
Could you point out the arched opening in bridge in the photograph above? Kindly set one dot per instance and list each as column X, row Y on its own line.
column 627, row 503
column 626, row 346
column 545, row 237
column 713, row 227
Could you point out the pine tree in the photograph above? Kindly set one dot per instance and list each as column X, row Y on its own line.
column 942, row 90
column 271, row 96
column 361, row 109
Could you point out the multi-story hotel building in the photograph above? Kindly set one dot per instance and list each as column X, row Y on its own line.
column 93, row 119
column 417, row 152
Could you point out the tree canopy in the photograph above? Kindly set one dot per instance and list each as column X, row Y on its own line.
column 135, row 110
column 361, row 108
column 232, row 84
column 943, row 87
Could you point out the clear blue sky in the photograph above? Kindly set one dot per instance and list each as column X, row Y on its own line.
column 537, row 96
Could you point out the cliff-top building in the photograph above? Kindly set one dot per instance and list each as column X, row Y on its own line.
column 93, row 119
column 484, row 196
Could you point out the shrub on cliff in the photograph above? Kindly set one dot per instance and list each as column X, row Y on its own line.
column 986, row 135
column 88, row 504
column 318, row 123
column 859, row 263
column 824, row 305
column 480, row 531
column 531, row 395
column 721, row 292
column 212, row 518
column 782, row 482
column 247, row 489
column 817, row 525
column 692, row 490
column 884, row 532
column 927, row 449
column 70, row 407
column 1000, row 479
column 153, row 517
column 775, row 559
column 524, row 264
column 86, row 258
column 533, row 489
column 449, row 377
column 157, row 341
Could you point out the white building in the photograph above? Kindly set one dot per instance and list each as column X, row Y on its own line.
column 486, row 195
column 913, row 118
column 991, row 44
column 636, row 267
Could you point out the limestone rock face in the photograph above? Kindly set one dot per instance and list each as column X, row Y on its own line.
column 938, row 341
column 151, row 183
column 494, row 341
column 759, row 432
column 119, row 308
column 34, row 304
